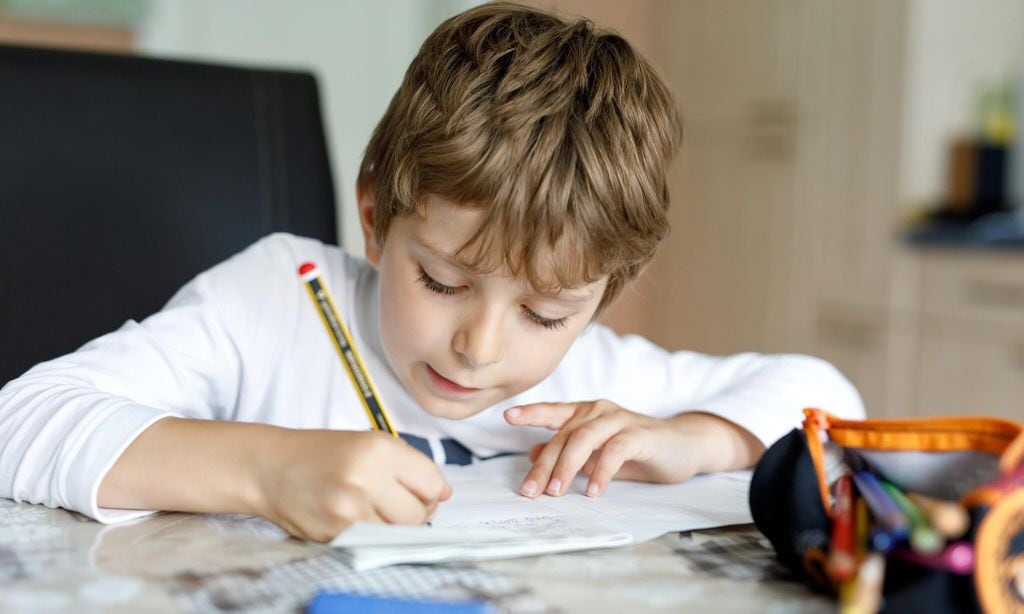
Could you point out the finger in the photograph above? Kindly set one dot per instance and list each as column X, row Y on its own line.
column 588, row 467
column 421, row 476
column 537, row 480
column 548, row 415
column 578, row 448
column 538, row 477
column 348, row 505
column 396, row 504
column 535, row 451
column 432, row 508
column 616, row 451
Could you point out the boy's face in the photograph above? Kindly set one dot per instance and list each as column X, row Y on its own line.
column 461, row 341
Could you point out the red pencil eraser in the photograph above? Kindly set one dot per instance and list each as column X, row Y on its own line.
column 306, row 268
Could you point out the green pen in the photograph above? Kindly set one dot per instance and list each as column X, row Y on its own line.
column 923, row 537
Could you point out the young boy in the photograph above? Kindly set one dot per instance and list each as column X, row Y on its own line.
column 515, row 184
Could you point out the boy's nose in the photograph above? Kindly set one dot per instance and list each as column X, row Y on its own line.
column 478, row 340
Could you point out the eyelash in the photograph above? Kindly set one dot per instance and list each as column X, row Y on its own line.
column 439, row 288
column 435, row 286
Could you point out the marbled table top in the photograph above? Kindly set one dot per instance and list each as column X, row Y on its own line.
column 54, row 560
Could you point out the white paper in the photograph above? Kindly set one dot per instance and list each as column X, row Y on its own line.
column 487, row 518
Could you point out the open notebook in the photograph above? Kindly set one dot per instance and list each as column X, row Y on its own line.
column 486, row 518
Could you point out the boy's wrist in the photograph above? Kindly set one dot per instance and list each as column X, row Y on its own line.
column 718, row 444
column 262, row 458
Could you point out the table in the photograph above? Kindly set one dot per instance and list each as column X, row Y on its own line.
column 56, row 560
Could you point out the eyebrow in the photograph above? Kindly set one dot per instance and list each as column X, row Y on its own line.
column 450, row 259
column 440, row 254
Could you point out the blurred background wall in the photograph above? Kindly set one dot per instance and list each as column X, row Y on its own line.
column 848, row 186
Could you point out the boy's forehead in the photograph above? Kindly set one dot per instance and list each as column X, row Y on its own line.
column 444, row 229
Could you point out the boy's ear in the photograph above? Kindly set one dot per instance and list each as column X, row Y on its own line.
column 367, row 202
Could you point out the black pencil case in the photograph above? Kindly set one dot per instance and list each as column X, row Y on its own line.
column 975, row 461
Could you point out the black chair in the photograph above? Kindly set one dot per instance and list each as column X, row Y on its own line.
column 123, row 177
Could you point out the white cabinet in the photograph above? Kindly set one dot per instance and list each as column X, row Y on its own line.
column 963, row 373
column 810, row 126
column 971, row 333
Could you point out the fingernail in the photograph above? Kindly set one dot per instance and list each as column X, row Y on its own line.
column 512, row 413
column 592, row 489
column 529, row 488
column 555, row 486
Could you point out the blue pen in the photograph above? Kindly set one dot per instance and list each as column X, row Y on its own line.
column 885, row 510
column 884, row 539
column 332, row 603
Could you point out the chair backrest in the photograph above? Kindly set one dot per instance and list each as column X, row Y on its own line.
column 121, row 178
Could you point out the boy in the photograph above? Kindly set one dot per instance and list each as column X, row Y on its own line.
column 514, row 185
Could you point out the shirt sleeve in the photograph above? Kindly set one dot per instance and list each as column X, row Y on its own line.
column 65, row 422
column 762, row 393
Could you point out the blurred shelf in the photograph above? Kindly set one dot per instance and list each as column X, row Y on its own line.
column 83, row 36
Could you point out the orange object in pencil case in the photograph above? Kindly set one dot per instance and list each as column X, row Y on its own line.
column 971, row 468
column 999, row 574
column 997, row 504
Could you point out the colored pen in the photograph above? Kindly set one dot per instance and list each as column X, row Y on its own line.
column 948, row 517
column 884, row 539
column 867, row 593
column 885, row 510
column 342, row 340
column 842, row 560
column 923, row 537
column 863, row 521
column 957, row 557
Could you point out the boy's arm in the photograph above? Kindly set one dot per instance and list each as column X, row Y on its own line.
column 669, row 415
column 311, row 483
column 65, row 421
column 104, row 426
column 764, row 394
column 725, row 445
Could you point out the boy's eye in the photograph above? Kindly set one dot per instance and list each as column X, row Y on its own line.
column 540, row 320
column 435, row 286
column 439, row 288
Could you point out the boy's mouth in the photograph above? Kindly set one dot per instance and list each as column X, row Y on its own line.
column 446, row 385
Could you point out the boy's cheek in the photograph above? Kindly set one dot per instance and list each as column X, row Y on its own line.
column 532, row 364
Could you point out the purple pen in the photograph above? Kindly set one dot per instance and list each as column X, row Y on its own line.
column 884, row 509
column 957, row 558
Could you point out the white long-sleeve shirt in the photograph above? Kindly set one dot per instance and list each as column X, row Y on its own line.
column 242, row 341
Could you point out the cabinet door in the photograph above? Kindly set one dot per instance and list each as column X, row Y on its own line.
column 722, row 277
column 861, row 356
column 875, row 351
column 963, row 371
column 861, row 98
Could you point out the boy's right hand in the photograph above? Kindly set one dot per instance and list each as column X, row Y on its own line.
column 321, row 481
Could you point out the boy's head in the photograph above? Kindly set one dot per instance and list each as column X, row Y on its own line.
column 543, row 145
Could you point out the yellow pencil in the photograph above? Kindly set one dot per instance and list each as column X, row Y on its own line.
column 948, row 517
column 342, row 340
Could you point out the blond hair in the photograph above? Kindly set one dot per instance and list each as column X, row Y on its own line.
column 561, row 132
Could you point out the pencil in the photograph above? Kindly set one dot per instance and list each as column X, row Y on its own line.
column 862, row 525
column 842, row 559
column 948, row 517
column 342, row 340
column 867, row 593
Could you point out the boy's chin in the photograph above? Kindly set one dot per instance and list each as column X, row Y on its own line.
column 450, row 410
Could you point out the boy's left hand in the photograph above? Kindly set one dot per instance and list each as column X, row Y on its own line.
column 602, row 440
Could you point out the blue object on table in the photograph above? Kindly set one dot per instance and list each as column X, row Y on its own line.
column 331, row 603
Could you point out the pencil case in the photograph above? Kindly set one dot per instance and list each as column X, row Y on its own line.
column 975, row 462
